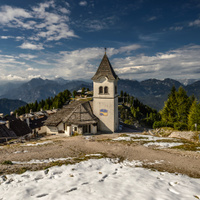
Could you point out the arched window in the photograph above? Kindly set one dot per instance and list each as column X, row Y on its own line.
column 100, row 90
column 106, row 90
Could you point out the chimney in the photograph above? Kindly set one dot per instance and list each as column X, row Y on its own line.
column 8, row 124
column 28, row 121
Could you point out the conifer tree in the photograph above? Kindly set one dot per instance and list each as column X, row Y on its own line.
column 194, row 116
column 169, row 113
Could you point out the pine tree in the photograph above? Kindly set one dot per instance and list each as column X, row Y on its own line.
column 169, row 113
column 194, row 115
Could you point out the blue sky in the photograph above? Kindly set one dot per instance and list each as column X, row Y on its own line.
column 66, row 38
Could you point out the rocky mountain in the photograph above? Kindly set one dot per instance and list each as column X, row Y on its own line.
column 8, row 105
column 38, row 89
column 151, row 92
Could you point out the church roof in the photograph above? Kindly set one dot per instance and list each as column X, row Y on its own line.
column 78, row 112
column 105, row 69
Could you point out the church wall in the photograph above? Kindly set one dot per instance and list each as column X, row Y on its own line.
column 108, row 120
column 104, row 82
column 107, row 112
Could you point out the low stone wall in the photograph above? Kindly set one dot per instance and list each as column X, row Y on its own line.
column 188, row 135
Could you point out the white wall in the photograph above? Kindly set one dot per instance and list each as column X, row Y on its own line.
column 108, row 102
column 68, row 131
column 51, row 130
column 93, row 129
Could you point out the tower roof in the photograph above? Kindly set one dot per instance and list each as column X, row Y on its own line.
column 105, row 69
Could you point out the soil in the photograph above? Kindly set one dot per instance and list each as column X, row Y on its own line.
column 170, row 160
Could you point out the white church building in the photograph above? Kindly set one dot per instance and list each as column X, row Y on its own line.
column 97, row 116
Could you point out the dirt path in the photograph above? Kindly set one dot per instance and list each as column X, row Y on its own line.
column 170, row 160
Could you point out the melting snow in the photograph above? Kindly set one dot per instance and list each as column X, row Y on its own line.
column 98, row 179
column 163, row 144
column 36, row 144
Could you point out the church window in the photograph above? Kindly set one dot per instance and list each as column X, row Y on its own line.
column 100, row 90
column 106, row 90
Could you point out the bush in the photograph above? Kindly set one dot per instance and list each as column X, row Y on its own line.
column 180, row 126
column 128, row 121
column 160, row 124
column 7, row 162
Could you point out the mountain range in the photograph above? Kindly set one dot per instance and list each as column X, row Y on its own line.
column 151, row 92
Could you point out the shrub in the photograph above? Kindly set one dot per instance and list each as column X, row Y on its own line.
column 180, row 126
column 7, row 162
column 160, row 124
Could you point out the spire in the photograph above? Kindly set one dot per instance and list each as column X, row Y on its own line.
column 105, row 69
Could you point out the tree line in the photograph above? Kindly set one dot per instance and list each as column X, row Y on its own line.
column 54, row 102
column 132, row 110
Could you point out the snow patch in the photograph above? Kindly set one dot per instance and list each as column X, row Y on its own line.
column 98, row 179
column 161, row 145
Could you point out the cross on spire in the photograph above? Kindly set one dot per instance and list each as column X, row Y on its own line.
column 105, row 49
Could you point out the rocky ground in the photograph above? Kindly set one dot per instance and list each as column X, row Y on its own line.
column 167, row 159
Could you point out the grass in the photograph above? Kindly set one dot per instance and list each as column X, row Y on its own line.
column 188, row 146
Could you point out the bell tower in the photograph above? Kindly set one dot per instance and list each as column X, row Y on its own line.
column 105, row 97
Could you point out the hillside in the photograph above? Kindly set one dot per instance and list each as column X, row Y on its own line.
column 8, row 105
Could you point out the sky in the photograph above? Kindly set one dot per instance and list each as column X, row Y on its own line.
column 66, row 38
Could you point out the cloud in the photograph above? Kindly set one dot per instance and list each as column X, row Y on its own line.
column 10, row 14
column 152, row 18
column 83, row 63
column 178, row 63
column 47, row 20
column 32, row 69
column 83, row 3
column 5, row 37
column 176, row 28
column 129, row 48
column 31, row 46
column 195, row 23
column 92, row 24
column 27, row 56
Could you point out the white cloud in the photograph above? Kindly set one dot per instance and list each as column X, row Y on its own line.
column 9, row 14
column 195, row 23
column 83, row 3
column 27, row 56
column 49, row 22
column 31, row 46
column 129, row 48
column 179, row 63
column 176, row 28
column 5, row 37
column 83, row 63
column 152, row 18
column 32, row 69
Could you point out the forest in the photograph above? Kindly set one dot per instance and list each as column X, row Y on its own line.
column 54, row 102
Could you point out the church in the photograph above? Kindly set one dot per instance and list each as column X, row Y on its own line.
column 97, row 116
